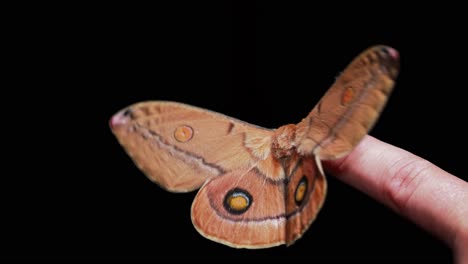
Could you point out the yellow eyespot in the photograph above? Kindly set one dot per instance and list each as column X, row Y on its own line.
column 183, row 133
column 348, row 95
column 301, row 191
column 237, row 201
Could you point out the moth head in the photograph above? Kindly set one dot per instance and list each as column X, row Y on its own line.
column 283, row 141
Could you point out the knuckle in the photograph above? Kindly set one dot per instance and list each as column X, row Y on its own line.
column 406, row 176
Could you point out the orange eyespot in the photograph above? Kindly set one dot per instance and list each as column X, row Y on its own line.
column 237, row 201
column 183, row 133
column 348, row 95
column 301, row 191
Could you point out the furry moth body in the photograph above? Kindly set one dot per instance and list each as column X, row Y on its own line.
column 258, row 187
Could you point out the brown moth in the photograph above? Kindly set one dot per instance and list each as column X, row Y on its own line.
column 259, row 187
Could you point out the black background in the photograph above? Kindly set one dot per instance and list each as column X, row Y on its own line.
column 75, row 194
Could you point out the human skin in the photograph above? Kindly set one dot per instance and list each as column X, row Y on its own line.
column 413, row 187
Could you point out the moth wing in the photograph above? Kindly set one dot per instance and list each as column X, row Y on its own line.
column 180, row 146
column 352, row 105
column 250, row 209
column 306, row 192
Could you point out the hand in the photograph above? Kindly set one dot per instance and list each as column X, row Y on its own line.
column 412, row 186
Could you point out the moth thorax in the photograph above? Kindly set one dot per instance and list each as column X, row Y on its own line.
column 283, row 141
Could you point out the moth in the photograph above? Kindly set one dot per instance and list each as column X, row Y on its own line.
column 259, row 187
